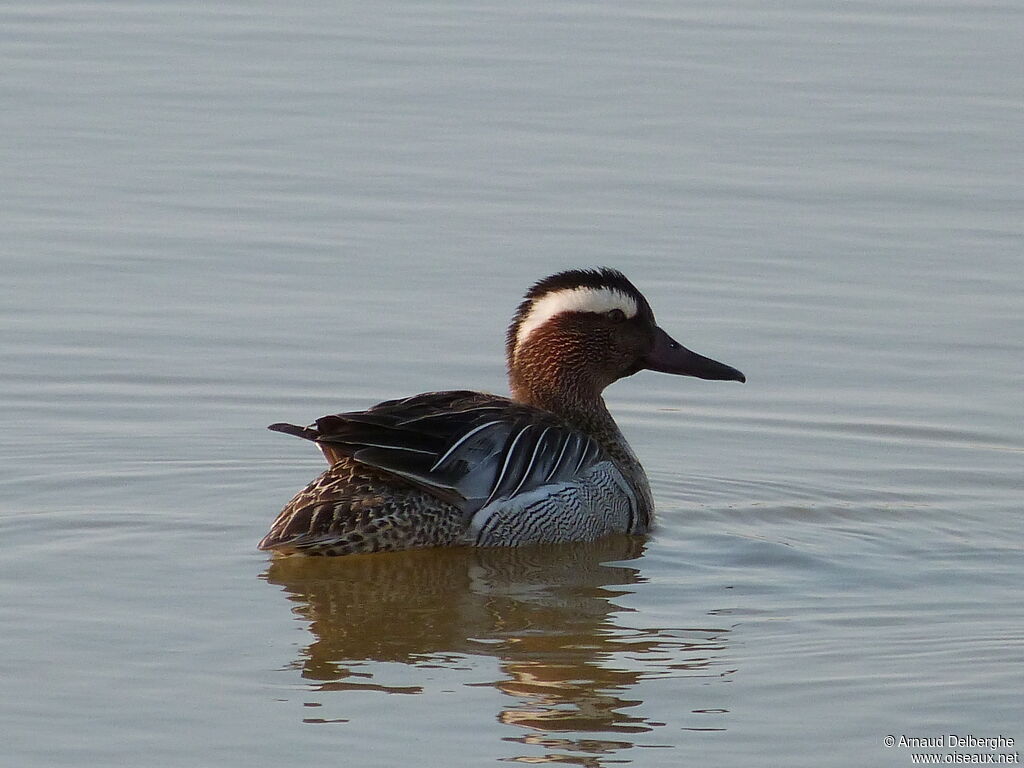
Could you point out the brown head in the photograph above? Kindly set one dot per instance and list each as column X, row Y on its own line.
column 578, row 331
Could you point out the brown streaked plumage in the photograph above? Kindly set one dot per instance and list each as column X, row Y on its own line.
column 548, row 464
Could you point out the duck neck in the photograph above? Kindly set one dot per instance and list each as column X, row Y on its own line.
column 582, row 407
column 587, row 412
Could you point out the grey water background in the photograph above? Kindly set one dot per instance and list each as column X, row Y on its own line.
column 217, row 216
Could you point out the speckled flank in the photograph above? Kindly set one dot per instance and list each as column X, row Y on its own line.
column 599, row 504
column 351, row 508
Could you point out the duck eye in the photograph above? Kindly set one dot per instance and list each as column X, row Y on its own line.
column 616, row 315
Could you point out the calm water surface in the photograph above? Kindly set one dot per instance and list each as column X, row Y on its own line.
column 215, row 217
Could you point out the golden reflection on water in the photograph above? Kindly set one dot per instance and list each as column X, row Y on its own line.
column 570, row 661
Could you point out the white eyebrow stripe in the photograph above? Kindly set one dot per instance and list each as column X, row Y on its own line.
column 582, row 299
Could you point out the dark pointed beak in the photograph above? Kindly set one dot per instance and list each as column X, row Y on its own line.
column 669, row 356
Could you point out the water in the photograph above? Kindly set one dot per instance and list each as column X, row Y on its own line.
column 217, row 217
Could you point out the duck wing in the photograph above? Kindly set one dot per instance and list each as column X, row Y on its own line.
column 468, row 448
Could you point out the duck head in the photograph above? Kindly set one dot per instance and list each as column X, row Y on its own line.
column 578, row 331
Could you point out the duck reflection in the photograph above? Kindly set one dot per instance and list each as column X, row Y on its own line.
column 544, row 612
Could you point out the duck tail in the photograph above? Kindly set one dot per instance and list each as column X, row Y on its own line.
column 307, row 433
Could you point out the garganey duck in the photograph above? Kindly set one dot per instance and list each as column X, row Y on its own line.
column 548, row 464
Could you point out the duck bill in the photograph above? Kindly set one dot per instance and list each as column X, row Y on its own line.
column 669, row 356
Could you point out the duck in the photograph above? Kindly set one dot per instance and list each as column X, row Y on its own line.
column 461, row 468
